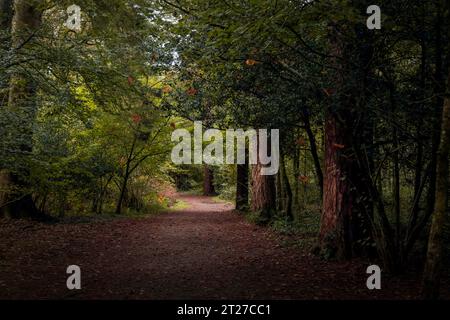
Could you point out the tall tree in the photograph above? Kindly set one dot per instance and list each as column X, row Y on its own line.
column 263, row 192
column 433, row 265
column 208, row 181
column 15, row 198
column 348, row 140
column 6, row 13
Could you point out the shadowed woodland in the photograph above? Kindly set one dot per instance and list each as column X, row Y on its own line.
column 86, row 123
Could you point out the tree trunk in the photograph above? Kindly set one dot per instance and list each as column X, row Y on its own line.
column 439, row 88
column 335, row 237
column 15, row 197
column 396, row 178
column 208, row 181
column 335, row 232
column 242, row 185
column 433, row 264
column 314, row 152
column 418, row 184
column 5, row 31
column 346, row 200
column 123, row 191
column 263, row 192
column 296, row 161
column 279, row 193
column 287, row 203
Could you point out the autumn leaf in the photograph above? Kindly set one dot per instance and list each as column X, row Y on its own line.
column 301, row 141
column 161, row 198
column 136, row 118
column 338, row 146
column 250, row 62
column 303, row 179
column 167, row 89
column 192, row 91
column 328, row 91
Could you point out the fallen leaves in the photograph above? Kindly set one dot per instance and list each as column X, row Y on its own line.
column 203, row 252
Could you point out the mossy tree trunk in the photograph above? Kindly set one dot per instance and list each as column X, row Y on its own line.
column 15, row 196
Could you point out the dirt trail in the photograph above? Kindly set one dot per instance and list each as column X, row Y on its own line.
column 203, row 252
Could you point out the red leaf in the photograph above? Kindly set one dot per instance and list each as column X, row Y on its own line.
column 301, row 141
column 338, row 146
column 303, row 179
column 328, row 91
column 136, row 118
column 192, row 91
column 167, row 89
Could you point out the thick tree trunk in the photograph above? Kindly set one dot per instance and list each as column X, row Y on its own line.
column 335, row 238
column 208, row 181
column 15, row 197
column 335, row 231
column 263, row 193
column 433, row 264
column 346, row 196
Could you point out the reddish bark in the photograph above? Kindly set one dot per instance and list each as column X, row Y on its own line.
column 335, row 231
column 347, row 204
column 263, row 192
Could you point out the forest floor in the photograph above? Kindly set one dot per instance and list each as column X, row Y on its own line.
column 204, row 251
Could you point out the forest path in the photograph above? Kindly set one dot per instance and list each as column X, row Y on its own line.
column 205, row 251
